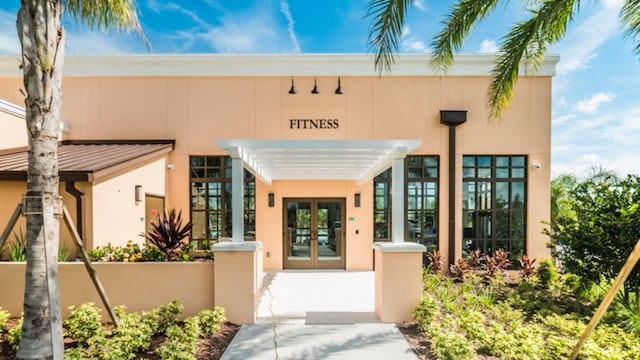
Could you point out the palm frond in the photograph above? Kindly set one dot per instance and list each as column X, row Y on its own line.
column 527, row 41
column 456, row 27
column 118, row 15
column 386, row 30
column 630, row 17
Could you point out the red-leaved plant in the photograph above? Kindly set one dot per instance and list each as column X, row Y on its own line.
column 169, row 235
column 499, row 262
column 527, row 267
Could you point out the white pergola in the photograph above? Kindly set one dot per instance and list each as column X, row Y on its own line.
column 287, row 159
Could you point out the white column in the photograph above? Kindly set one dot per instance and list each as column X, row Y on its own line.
column 237, row 196
column 397, row 196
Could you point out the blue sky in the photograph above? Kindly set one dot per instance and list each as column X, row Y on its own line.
column 596, row 112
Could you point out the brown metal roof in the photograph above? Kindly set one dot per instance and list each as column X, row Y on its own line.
column 87, row 160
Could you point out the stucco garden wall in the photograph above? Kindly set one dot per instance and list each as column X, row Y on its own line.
column 139, row 286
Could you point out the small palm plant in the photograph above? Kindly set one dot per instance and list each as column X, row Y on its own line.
column 169, row 235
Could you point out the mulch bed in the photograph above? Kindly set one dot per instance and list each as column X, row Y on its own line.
column 211, row 348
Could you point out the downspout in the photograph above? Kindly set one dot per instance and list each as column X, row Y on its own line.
column 452, row 118
column 70, row 188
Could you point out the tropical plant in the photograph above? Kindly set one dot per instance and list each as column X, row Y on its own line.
column 435, row 261
column 498, row 263
column 527, row 267
column 595, row 239
column 18, row 247
column 525, row 43
column 42, row 40
column 170, row 235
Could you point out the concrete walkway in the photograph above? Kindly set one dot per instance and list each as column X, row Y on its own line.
column 318, row 315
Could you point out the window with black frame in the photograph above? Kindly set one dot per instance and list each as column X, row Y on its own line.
column 421, row 205
column 494, row 203
column 210, row 178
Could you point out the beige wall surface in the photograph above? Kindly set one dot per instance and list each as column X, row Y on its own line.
column 196, row 111
column 117, row 218
column 147, row 286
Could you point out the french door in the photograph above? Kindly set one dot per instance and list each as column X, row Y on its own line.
column 314, row 234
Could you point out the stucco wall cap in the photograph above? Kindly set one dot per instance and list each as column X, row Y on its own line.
column 237, row 246
column 399, row 247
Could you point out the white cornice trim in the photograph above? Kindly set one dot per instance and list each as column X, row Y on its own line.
column 399, row 247
column 12, row 109
column 266, row 65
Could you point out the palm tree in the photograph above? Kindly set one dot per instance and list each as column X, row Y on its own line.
column 42, row 39
column 526, row 42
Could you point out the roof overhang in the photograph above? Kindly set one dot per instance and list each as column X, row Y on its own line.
column 358, row 160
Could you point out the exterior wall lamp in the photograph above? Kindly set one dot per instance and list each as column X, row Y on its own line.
column 315, row 87
column 339, row 88
column 356, row 200
column 292, row 91
column 271, row 200
column 138, row 194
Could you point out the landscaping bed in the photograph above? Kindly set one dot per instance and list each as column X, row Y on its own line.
column 154, row 335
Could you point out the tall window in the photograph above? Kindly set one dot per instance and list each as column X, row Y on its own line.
column 494, row 203
column 421, row 205
column 211, row 199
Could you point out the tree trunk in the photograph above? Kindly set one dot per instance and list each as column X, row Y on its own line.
column 42, row 39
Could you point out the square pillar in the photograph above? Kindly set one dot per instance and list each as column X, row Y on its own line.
column 397, row 197
column 398, row 280
column 237, row 199
column 238, row 279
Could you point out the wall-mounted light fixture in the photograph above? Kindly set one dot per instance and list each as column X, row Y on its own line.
column 536, row 165
column 138, row 194
column 272, row 200
column 292, row 91
column 315, row 87
column 339, row 88
column 356, row 200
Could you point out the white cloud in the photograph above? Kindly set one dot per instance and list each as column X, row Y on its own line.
column 419, row 4
column 284, row 8
column 409, row 43
column 581, row 43
column 562, row 119
column 488, row 46
column 592, row 104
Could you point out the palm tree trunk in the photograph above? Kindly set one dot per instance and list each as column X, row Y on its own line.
column 42, row 39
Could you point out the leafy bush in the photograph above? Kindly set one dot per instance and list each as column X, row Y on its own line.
column 510, row 318
column 162, row 318
column 15, row 334
column 211, row 321
column 435, row 261
column 84, row 323
column 4, row 319
column 547, row 273
column 182, row 342
column 169, row 234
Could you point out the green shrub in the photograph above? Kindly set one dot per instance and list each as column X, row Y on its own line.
column 211, row 321
column 547, row 273
column 152, row 253
column 84, row 323
column 15, row 334
column 4, row 320
column 182, row 343
column 447, row 343
column 133, row 335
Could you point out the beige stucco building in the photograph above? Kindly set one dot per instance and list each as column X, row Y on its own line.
column 335, row 157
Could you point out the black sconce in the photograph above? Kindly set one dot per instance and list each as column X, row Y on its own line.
column 339, row 88
column 271, row 200
column 356, row 200
column 137, row 195
column 292, row 91
column 315, row 87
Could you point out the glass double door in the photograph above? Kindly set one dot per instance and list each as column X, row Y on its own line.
column 314, row 234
